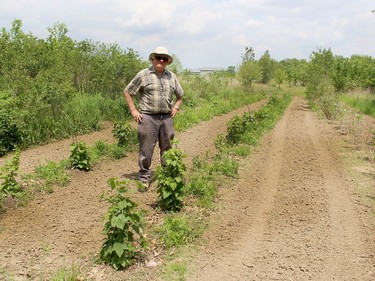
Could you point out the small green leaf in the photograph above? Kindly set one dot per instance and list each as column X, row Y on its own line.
column 166, row 194
column 173, row 185
column 118, row 223
column 119, row 249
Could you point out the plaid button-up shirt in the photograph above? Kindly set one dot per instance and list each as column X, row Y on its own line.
column 156, row 92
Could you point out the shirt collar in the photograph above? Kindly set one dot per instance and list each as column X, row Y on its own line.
column 152, row 69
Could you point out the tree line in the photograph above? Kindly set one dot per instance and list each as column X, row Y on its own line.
column 345, row 74
column 326, row 76
column 57, row 87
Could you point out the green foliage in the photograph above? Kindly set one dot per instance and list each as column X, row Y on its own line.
column 52, row 173
column 226, row 165
column 249, row 71
column 56, row 82
column 268, row 66
column 66, row 274
column 248, row 55
column 295, row 71
column 170, row 180
column 79, row 156
column 202, row 182
column 116, row 152
column 203, row 187
column 328, row 101
column 175, row 271
column 280, row 76
column 361, row 72
column 100, row 148
column 177, row 230
column 321, row 70
column 249, row 127
column 123, row 228
column 210, row 97
column 83, row 112
column 238, row 125
column 10, row 133
column 207, row 175
column 8, row 174
column 365, row 104
column 124, row 133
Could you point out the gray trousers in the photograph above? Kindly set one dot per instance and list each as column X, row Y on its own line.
column 153, row 128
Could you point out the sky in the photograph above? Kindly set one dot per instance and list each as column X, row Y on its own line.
column 207, row 33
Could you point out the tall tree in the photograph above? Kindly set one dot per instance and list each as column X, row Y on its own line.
column 267, row 65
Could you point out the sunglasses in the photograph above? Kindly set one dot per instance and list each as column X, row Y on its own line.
column 159, row 58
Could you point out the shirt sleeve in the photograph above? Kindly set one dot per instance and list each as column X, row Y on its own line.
column 133, row 87
column 179, row 91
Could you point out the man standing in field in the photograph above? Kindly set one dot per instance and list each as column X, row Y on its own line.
column 156, row 86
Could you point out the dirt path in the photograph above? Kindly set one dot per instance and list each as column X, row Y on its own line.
column 298, row 216
column 294, row 213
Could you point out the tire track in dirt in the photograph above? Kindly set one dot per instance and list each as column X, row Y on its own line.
column 346, row 252
column 291, row 216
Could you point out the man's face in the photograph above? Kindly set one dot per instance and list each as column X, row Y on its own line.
column 159, row 62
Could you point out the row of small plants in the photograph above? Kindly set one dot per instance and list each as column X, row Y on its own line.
column 174, row 185
column 206, row 98
column 124, row 225
column 44, row 177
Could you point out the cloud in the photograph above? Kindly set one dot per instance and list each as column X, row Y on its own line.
column 207, row 32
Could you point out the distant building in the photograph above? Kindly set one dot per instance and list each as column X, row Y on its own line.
column 206, row 70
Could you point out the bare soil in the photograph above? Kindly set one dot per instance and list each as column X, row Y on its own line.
column 302, row 208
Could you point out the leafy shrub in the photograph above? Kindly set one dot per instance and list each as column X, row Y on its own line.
column 238, row 125
column 170, row 180
column 8, row 174
column 123, row 228
column 10, row 134
column 124, row 133
column 248, row 128
column 79, row 156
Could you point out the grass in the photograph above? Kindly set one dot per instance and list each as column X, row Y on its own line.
column 53, row 174
column 214, row 103
column 361, row 100
column 178, row 229
column 67, row 274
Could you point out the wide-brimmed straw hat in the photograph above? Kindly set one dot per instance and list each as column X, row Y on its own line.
column 161, row 51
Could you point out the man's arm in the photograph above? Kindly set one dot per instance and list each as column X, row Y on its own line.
column 137, row 116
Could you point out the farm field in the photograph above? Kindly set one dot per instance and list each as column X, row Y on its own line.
column 303, row 208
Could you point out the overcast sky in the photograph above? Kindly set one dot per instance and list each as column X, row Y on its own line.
column 207, row 33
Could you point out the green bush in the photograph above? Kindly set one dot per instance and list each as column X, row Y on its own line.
column 10, row 135
column 170, row 180
column 124, row 133
column 79, row 156
column 8, row 174
column 123, row 228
